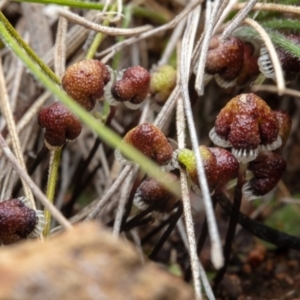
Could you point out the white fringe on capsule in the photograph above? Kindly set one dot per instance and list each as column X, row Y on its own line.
column 224, row 83
column 265, row 65
column 40, row 224
column 270, row 147
column 245, row 155
column 114, row 77
column 217, row 140
column 248, row 193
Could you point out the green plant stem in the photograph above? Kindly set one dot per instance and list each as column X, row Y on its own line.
column 99, row 36
column 136, row 10
column 51, row 186
column 281, row 41
column 125, row 24
column 109, row 136
column 281, row 24
column 13, row 33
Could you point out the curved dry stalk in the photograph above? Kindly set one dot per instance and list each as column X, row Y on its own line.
column 272, row 52
column 118, row 13
column 238, row 19
column 118, row 46
column 187, row 42
column 6, row 109
column 75, row 37
column 125, row 191
column 274, row 89
column 35, row 189
column 271, row 7
column 99, row 28
column 210, row 21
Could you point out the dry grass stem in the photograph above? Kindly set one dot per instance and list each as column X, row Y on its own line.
column 60, row 47
column 100, row 203
column 238, row 19
column 180, row 126
column 274, row 89
column 174, row 38
column 35, row 189
column 272, row 52
column 118, row 46
column 210, row 22
column 16, row 83
column 124, row 193
column 6, row 110
column 225, row 11
column 187, row 42
column 99, row 28
column 271, row 7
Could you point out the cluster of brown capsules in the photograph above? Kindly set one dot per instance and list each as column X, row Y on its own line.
column 256, row 136
column 89, row 81
column 236, row 62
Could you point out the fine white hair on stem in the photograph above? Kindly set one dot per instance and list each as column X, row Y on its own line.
column 125, row 190
column 271, row 7
column 272, row 52
column 238, row 19
column 187, row 42
column 7, row 113
column 100, row 28
column 210, row 21
column 35, row 189
column 192, row 247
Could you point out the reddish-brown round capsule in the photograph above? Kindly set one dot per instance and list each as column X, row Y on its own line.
column 61, row 125
column 225, row 59
column 84, row 82
column 227, row 167
column 247, row 124
column 290, row 64
column 148, row 139
column 219, row 164
column 133, row 88
column 267, row 170
column 17, row 221
column 152, row 192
